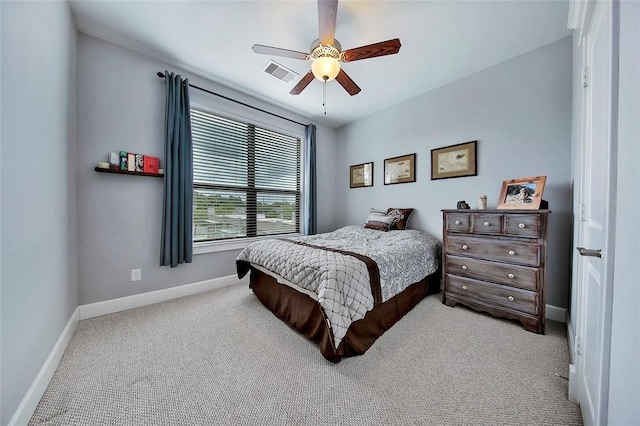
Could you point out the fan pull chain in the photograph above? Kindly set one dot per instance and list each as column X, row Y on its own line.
column 324, row 95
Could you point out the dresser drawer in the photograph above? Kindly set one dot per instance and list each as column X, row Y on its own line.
column 494, row 294
column 486, row 224
column 511, row 251
column 458, row 222
column 523, row 225
column 502, row 273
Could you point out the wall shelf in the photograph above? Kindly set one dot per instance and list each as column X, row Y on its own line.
column 127, row 172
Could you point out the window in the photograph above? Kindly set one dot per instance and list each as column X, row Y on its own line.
column 246, row 179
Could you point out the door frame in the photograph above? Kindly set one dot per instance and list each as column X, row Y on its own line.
column 581, row 15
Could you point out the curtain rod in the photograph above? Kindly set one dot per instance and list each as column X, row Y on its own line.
column 161, row 75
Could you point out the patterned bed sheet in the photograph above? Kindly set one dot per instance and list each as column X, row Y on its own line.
column 342, row 281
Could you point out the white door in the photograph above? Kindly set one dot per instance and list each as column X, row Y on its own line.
column 594, row 294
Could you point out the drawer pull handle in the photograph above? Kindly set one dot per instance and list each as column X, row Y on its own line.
column 511, row 276
column 464, row 267
column 457, row 222
column 521, row 225
column 511, row 252
column 486, row 224
column 464, row 287
column 464, row 247
column 511, row 299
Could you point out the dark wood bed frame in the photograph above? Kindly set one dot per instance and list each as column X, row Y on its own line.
column 305, row 315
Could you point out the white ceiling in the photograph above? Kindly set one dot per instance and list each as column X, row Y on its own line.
column 442, row 41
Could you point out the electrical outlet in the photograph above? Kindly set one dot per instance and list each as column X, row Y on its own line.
column 136, row 274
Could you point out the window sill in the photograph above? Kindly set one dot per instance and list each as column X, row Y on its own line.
column 229, row 245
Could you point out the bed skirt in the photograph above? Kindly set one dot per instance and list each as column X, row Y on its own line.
column 305, row 315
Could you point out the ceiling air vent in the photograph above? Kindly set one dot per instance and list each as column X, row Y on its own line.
column 280, row 72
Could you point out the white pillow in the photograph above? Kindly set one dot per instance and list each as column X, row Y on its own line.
column 378, row 220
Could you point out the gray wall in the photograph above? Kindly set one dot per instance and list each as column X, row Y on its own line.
column 624, row 379
column 38, row 238
column 121, row 106
column 520, row 113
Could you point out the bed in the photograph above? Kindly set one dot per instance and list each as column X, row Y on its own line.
column 345, row 288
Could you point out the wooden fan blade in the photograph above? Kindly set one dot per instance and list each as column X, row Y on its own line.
column 304, row 82
column 383, row 48
column 348, row 84
column 276, row 51
column 327, row 11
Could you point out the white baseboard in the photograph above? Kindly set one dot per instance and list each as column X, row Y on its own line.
column 571, row 341
column 555, row 313
column 97, row 309
column 31, row 399
column 573, row 394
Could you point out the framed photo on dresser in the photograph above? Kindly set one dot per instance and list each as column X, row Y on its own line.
column 522, row 194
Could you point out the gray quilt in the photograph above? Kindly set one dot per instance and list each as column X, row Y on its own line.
column 342, row 281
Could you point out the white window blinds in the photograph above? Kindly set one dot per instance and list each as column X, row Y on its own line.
column 246, row 179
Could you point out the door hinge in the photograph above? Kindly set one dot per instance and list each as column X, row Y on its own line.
column 579, row 346
column 585, row 77
column 583, row 212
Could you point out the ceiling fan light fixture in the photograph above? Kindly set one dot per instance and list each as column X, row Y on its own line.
column 325, row 68
column 325, row 58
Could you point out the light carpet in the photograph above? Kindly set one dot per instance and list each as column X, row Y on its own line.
column 221, row 358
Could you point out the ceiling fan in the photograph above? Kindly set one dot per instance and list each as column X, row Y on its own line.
column 326, row 52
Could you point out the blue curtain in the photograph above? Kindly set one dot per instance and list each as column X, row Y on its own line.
column 176, row 239
column 310, row 190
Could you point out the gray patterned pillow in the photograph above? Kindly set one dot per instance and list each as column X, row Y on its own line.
column 378, row 220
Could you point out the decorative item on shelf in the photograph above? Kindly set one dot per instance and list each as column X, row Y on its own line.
column 454, row 161
column 523, row 193
column 103, row 165
column 151, row 164
column 160, row 171
column 463, row 205
column 114, row 160
column 123, row 160
column 131, row 162
column 139, row 163
column 482, row 202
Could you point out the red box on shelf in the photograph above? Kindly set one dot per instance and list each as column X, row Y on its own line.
column 151, row 164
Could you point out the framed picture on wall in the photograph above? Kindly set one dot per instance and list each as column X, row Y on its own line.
column 454, row 161
column 400, row 169
column 361, row 175
column 523, row 193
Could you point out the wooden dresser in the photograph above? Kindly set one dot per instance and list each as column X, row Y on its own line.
column 494, row 261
